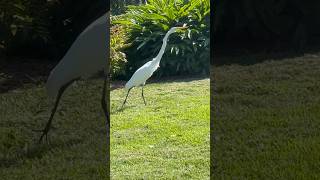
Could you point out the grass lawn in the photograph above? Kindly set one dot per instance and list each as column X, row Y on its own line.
column 77, row 147
column 168, row 138
column 266, row 120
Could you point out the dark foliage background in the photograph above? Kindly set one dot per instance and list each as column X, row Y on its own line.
column 119, row 6
column 41, row 28
column 265, row 25
column 146, row 24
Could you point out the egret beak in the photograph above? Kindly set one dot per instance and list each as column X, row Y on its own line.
column 183, row 27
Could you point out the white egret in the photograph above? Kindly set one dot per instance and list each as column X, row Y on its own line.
column 140, row 77
column 87, row 55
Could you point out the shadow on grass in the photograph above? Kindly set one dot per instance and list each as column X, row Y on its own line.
column 247, row 57
column 122, row 109
column 120, row 84
column 34, row 151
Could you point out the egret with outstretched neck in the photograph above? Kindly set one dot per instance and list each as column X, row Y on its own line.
column 140, row 77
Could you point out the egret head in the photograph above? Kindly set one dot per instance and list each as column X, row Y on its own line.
column 175, row 29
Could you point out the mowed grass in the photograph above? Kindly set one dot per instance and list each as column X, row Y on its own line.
column 167, row 139
column 266, row 120
column 77, row 148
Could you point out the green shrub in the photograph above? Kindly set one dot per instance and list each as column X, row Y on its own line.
column 186, row 53
column 23, row 23
column 118, row 58
column 33, row 28
column 119, row 6
column 264, row 25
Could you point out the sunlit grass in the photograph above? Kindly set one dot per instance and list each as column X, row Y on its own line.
column 168, row 138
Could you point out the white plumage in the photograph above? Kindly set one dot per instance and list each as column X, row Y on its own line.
column 87, row 55
column 140, row 77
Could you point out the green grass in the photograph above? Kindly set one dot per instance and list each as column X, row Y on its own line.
column 77, row 147
column 266, row 120
column 168, row 138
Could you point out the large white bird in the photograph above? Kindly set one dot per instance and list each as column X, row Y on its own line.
column 87, row 55
column 140, row 77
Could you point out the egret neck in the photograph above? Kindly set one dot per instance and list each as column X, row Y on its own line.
column 157, row 59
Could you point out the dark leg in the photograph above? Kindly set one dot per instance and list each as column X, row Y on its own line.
column 126, row 98
column 48, row 125
column 143, row 96
column 107, row 116
column 103, row 101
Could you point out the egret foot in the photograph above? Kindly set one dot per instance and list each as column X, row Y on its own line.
column 44, row 132
column 48, row 125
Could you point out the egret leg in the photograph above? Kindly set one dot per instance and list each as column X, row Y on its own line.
column 124, row 102
column 48, row 125
column 103, row 101
column 143, row 96
column 106, row 110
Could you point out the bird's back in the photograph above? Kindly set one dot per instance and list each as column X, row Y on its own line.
column 141, row 75
column 87, row 55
